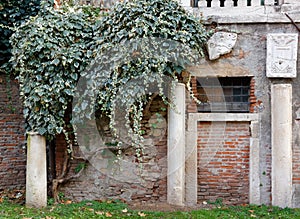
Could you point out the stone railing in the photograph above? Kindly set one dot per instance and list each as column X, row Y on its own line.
column 234, row 3
column 230, row 11
column 244, row 11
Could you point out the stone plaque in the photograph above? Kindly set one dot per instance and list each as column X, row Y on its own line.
column 282, row 55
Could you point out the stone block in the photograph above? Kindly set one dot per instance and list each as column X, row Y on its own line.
column 220, row 43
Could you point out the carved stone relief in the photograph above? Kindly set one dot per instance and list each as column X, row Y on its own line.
column 220, row 43
column 282, row 55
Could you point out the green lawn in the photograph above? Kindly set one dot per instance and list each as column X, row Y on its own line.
column 94, row 209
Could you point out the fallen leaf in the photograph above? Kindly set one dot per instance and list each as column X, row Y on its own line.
column 108, row 214
column 108, row 201
column 99, row 212
column 251, row 211
column 125, row 210
column 68, row 202
column 141, row 214
column 252, row 215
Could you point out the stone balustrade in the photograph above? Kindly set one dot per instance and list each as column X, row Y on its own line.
column 244, row 11
column 234, row 3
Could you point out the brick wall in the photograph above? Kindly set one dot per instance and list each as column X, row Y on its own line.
column 223, row 161
column 296, row 156
column 12, row 138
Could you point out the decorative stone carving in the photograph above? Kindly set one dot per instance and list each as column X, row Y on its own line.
column 220, row 43
column 282, row 55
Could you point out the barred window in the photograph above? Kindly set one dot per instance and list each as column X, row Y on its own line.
column 225, row 94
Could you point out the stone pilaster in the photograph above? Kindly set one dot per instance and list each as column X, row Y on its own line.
column 36, row 172
column 176, row 148
column 281, row 110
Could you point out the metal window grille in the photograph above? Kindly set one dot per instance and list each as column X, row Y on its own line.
column 227, row 94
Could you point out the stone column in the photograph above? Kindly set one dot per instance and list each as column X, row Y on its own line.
column 36, row 171
column 176, row 148
column 191, row 183
column 254, row 173
column 281, row 110
column 185, row 3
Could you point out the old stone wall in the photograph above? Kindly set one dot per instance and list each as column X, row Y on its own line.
column 12, row 136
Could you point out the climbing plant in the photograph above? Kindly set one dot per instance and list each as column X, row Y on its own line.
column 54, row 49
column 148, row 41
column 12, row 14
column 49, row 52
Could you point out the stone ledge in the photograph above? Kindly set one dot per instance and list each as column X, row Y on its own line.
column 257, row 14
column 223, row 117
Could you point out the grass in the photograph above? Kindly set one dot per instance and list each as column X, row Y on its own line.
column 94, row 209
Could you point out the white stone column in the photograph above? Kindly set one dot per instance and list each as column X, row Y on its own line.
column 281, row 111
column 256, row 3
column 36, row 171
column 185, row 3
column 254, row 173
column 215, row 3
column 176, row 148
column 191, row 183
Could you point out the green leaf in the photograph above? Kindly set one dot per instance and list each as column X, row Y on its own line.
column 56, row 61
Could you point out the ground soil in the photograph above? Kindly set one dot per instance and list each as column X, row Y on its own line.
column 13, row 195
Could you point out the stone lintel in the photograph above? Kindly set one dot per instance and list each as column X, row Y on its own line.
column 218, row 69
column 223, row 117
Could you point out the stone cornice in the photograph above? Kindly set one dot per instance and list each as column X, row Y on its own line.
column 257, row 14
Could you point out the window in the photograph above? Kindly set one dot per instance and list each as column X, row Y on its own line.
column 226, row 94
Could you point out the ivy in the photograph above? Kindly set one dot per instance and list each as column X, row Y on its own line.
column 142, row 44
column 12, row 14
column 49, row 52
column 120, row 56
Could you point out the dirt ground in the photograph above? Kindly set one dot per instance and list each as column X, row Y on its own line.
column 13, row 195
